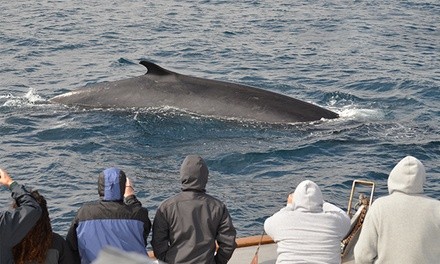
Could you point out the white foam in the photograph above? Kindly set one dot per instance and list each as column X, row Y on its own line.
column 33, row 97
column 30, row 98
column 360, row 114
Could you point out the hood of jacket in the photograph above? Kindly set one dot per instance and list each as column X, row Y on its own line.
column 307, row 197
column 111, row 184
column 408, row 176
column 194, row 174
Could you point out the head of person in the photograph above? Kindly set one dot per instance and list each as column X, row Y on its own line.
column 194, row 174
column 408, row 176
column 111, row 184
column 35, row 245
column 307, row 197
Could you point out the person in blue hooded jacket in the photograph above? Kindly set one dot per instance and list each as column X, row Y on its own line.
column 111, row 221
column 16, row 223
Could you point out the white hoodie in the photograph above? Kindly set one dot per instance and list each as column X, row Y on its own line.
column 404, row 226
column 309, row 230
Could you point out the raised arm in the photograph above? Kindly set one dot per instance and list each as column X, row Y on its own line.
column 17, row 223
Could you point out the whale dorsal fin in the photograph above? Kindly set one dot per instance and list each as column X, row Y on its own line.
column 154, row 68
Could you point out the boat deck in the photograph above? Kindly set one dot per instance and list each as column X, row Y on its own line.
column 267, row 253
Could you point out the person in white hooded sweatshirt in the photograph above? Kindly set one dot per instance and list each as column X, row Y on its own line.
column 308, row 230
column 404, row 226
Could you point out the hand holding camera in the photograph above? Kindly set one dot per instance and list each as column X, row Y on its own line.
column 5, row 179
column 129, row 188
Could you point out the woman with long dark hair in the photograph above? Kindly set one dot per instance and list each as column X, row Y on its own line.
column 16, row 223
column 41, row 245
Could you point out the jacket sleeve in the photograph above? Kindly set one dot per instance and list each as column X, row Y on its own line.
column 65, row 254
column 160, row 238
column 17, row 223
column 342, row 217
column 132, row 201
column 225, row 239
column 147, row 225
column 365, row 250
column 271, row 224
column 268, row 227
column 72, row 240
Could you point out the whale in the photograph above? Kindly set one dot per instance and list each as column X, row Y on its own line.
column 161, row 88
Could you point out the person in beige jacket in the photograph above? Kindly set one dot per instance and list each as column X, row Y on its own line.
column 404, row 226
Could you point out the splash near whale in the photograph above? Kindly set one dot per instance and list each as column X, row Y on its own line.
column 160, row 88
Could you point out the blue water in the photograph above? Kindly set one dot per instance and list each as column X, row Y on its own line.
column 376, row 63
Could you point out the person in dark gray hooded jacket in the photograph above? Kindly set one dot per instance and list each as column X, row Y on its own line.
column 187, row 226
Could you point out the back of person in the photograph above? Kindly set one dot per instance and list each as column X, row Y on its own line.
column 101, row 224
column 308, row 230
column 41, row 245
column 59, row 252
column 187, row 226
column 403, row 227
column 109, row 221
column 187, row 211
column 16, row 223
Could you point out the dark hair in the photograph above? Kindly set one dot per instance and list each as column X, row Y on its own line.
column 34, row 246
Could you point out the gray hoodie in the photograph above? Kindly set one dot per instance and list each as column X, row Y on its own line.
column 187, row 226
column 309, row 230
column 404, row 226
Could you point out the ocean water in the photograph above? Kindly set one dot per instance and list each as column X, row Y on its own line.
column 376, row 63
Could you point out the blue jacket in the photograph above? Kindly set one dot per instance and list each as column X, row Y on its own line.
column 15, row 224
column 109, row 221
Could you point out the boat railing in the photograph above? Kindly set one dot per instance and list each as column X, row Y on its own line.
column 357, row 219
